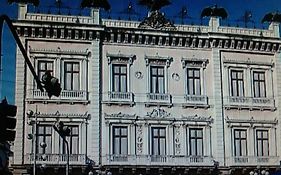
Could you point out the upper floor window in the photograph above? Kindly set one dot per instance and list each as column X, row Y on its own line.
column 44, row 135
column 237, row 83
column 71, row 76
column 157, row 79
column 196, row 141
column 119, row 78
column 73, row 141
column 262, row 142
column 259, row 84
column 158, row 135
column 44, row 66
column 120, row 140
column 193, row 81
column 240, row 142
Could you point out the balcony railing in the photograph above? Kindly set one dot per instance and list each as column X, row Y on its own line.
column 250, row 102
column 118, row 98
column 57, row 159
column 65, row 95
column 195, row 100
column 155, row 98
column 168, row 160
column 253, row 160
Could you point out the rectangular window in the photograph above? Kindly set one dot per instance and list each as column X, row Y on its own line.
column 44, row 135
column 119, row 78
column 240, row 142
column 196, row 141
column 262, row 143
column 158, row 136
column 73, row 141
column 157, row 79
column 120, row 140
column 44, row 66
column 193, row 82
column 237, row 83
column 71, row 76
column 259, row 84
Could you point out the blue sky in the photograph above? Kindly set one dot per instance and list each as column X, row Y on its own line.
column 235, row 9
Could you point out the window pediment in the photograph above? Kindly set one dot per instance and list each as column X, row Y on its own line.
column 194, row 62
column 120, row 58
column 158, row 60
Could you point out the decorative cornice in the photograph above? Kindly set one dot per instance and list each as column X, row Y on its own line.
column 250, row 121
column 197, row 118
column 119, row 115
column 63, row 115
column 158, row 113
column 59, row 51
column 248, row 62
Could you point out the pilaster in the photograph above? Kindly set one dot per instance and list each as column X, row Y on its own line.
column 94, row 145
column 218, row 131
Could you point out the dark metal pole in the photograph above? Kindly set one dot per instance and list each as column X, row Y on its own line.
column 21, row 47
column 67, row 156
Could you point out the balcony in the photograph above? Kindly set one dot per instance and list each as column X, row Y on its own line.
column 56, row 159
column 250, row 102
column 168, row 160
column 155, row 99
column 120, row 98
column 195, row 101
column 254, row 161
column 66, row 95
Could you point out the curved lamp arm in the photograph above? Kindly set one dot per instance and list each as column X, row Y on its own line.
column 23, row 51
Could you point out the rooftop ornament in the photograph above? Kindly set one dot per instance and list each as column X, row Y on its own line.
column 155, row 19
column 214, row 11
column 272, row 17
column 154, row 5
column 96, row 4
column 34, row 2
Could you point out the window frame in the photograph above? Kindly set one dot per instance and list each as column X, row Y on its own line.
column 44, row 135
column 259, row 81
column 119, row 74
column 159, row 137
column 157, row 76
column 262, row 139
column 196, row 142
column 193, row 78
column 62, row 146
column 65, row 73
column 237, row 80
column 120, row 136
column 240, row 144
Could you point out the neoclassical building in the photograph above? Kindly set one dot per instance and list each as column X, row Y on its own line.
column 148, row 97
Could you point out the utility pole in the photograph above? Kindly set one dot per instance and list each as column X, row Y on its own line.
column 1, row 81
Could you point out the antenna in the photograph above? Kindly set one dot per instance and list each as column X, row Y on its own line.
column 246, row 18
column 182, row 14
column 129, row 10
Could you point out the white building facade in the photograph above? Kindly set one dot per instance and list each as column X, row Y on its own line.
column 149, row 97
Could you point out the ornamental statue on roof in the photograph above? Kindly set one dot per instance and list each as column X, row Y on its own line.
column 156, row 19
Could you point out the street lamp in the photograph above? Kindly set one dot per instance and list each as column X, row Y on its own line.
column 30, row 115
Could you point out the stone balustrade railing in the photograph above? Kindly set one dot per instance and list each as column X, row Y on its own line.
column 59, row 18
column 58, row 159
column 168, row 160
column 253, row 160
